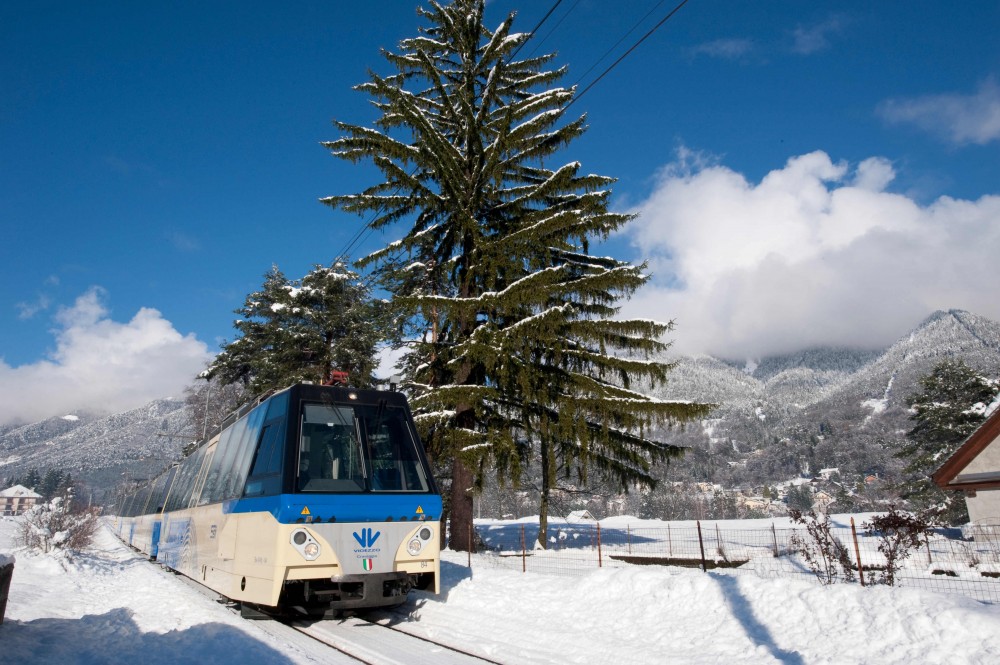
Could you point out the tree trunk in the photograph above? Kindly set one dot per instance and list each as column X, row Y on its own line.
column 543, row 504
column 461, row 507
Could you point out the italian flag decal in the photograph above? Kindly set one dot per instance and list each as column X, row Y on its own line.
column 367, row 563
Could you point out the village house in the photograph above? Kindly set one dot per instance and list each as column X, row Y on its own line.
column 16, row 500
column 975, row 470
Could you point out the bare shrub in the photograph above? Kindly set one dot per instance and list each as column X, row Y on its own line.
column 827, row 557
column 58, row 525
column 899, row 535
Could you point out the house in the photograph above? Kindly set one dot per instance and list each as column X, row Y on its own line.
column 17, row 499
column 975, row 469
column 580, row 516
column 822, row 501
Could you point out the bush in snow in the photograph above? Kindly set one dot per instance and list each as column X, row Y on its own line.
column 827, row 557
column 58, row 525
column 899, row 534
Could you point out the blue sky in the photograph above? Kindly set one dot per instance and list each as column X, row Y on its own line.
column 807, row 173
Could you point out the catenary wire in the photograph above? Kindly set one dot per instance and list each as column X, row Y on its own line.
column 626, row 54
column 616, row 44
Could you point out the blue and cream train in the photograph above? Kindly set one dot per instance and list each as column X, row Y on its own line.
column 317, row 498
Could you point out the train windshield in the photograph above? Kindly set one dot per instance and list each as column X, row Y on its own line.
column 358, row 448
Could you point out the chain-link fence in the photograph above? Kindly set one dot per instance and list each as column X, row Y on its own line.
column 947, row 560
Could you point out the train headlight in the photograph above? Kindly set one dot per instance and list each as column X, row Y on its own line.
column 425, row 534
column 414, row 547
column 305, row 544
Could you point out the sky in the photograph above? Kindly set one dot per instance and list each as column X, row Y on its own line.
column 110, row 605
column 804, row 173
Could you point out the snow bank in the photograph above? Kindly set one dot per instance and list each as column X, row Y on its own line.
column 110, row 605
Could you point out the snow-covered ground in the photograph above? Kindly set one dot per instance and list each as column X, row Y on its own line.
column 109, row 605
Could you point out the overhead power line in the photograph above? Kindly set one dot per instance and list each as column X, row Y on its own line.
column 616, row 44
column 626, row 53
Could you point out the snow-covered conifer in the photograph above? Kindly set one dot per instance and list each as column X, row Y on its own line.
column 303, row 330
column 516, row 350
column 950, row 406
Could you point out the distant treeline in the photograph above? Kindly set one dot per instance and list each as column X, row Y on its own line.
column 54, row 483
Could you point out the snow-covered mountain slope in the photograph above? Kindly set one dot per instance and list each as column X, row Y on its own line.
column 820, row 408
column 100, row 451
column 777, row 416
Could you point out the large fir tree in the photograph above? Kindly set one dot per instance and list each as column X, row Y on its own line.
column 516, row 353
column 303, row 330
column 949, row 407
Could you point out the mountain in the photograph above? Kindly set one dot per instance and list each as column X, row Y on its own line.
column 821, row 408
column 778, row 417
column 99, row 450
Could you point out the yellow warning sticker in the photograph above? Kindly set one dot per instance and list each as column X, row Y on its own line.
column 305, row 511
column 420, row 511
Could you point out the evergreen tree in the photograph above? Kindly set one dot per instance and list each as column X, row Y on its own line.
column 304, row 330
column 516, row 353
column 950, row 406
column 51, row 482
column 32, row 480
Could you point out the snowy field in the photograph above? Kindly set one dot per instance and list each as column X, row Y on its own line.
column 109, row 605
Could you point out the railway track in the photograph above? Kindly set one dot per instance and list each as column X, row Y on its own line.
column 376, row 641
column 377, row 638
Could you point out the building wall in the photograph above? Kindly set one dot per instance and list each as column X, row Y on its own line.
column 987, row 461
column 12, row 506
column 984, row 507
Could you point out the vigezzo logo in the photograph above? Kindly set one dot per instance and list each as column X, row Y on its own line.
column 366, row 539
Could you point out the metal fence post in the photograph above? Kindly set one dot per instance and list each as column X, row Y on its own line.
column 524, row 555
column 857, row 553
column 701, row 544
column 599, row 562
column 629, row 527
column 774, row 539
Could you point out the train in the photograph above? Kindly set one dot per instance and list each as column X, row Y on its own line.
column 314, row 499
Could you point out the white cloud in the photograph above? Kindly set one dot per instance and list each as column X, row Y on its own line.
column 28, row 310
column 817, row 252
column 101, row 364
column 731, row 49
column 815, row 38
column 961, row 119
column 388, row 358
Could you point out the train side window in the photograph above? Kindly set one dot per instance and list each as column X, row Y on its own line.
column 264, row 476
column 160, row 486
column 239, row 467
column 199, row 482
column 180, row 493
column 215, row 483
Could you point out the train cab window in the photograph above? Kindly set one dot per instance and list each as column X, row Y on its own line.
column 395, row 464
column 330, row 454
column 358, row 448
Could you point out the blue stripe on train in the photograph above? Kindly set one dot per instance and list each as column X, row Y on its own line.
column 291, row 508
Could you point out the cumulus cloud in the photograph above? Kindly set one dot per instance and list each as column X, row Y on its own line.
column 961, row 119
column 101, row 364
column 818, row 252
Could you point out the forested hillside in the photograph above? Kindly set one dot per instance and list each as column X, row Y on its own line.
column 779, row 419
